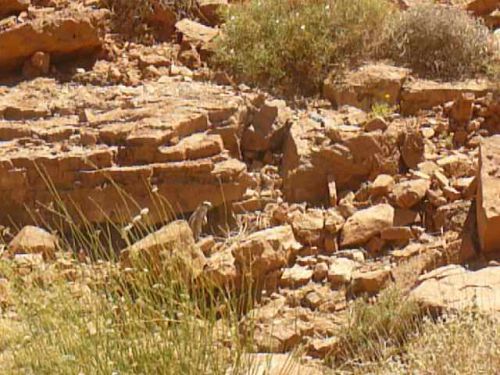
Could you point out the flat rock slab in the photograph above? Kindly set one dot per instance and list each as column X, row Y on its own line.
column 168, row 141
column 453, row 288
column 488, row 195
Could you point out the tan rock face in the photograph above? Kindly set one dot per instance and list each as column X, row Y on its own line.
column 488, row 195
column 34, row 240
column 453, row 288
column 8, row 7
column 166, row 141
column 172, row 245
column 61, row 34
column 365, row 224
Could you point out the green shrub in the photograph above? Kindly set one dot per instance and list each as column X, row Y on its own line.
column 439, row 42
column 278, row 42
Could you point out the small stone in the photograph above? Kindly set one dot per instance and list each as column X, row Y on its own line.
column 34, row 240
column 340, row 271
column 320, row 272
column 382, row 185
column 296, row 276
column 408, row 194
column 370, row 282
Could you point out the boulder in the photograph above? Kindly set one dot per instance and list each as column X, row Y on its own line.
column 296, row 276
column 369, row 85
column 309, row 227
column 340, row 271
column 453, row 288
column 488, row 195
column 410, row 193
column 211, row 10
column 57, row 34
column 370, row 282
column 172, row 245
column 8, row 7
column 34, row 240
column 365, row 224
column 265, row 251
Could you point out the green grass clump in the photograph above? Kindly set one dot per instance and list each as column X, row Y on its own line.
column 295, row 43
column 439, row 42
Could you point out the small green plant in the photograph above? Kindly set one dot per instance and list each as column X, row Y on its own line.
column 439, row 42
column 295, row 43
column 382, row 109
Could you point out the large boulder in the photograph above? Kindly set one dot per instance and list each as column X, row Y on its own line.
column 172, row 245
column 34, row 240
column 58, row 34
column 369, row 85
column 488, row 195
column 453, row 288
column 365, row 224
column 265, row 251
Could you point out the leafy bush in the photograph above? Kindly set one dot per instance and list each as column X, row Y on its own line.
column 278, row 42
column 439, row 41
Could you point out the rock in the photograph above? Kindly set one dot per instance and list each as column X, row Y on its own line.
column 453, row 288
column 323, row 347
column 165, row 141
column 397, row 234
column 370, row 282
column 421, row 94
column 375, row 245
column 412, row 147
column 172, row 245
column 408, row 194
column 377, row 123
column 482, row 7
column 220, row 270
column 58, row 35
column 8, row 7
column 195, row 33
column 320, row 272
column 340, row 271
column 371, row 84
column 211, row 10
column 382, row 185
column 488, row 195
column 296, row 276
column 332, row 191
column 274, row 364
column 309, row 227
column 365, row 224
column 461, row 111
column 266, row 251
column 333, row 221
column 34, row 240
column 313, row 156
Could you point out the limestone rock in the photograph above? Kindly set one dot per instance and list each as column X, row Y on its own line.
column 453, row 288
column 488, row 195
column 309, row 226
column 171, row 244
column 365, row 224
column 34, row 240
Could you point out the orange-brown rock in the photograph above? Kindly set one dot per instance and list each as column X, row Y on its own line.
column 60, row 34
column 488, row 195
column 371, row 84
column 8, row 7
column 166, row 141
column 34, row 240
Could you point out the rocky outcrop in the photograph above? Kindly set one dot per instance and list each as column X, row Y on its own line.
column 60, row 34
column 164, row 147
column 488, row 195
